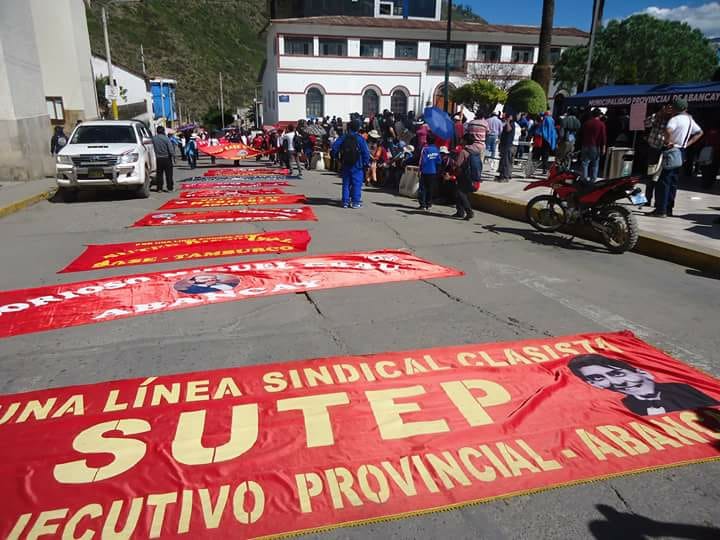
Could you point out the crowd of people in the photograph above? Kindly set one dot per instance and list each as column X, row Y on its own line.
column 377, row 150
column 580, row 137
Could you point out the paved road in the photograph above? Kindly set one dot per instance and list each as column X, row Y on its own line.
column 518, row 284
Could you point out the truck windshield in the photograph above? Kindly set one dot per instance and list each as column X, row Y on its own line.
column 103, row 134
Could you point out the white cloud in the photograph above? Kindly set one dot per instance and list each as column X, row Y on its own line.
column 705, row 17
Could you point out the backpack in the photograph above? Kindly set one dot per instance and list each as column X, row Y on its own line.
column 298, row 143
column 350, row 150
column 472, row 169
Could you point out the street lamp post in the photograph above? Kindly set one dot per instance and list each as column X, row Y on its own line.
column 446, row 90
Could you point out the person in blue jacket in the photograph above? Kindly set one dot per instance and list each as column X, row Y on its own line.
column 354, row 156
column 430, row 165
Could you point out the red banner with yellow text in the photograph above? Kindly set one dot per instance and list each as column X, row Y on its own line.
column 228, row 193
column 232, row 185
column 235, row 151
column 307, row 445
column 304, row 213
column 58, row 306
column 97, row 257
column 215, row 202
column 246, row 171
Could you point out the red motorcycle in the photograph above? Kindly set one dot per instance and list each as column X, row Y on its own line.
column 576, row 201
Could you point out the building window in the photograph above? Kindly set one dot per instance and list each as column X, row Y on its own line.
column 488, row 53
column 333, row 47
column 398, row 102
column 373, row 49
column 299, row 46
column 55, row 109
column 456, row 57
column 371, row 102
column 422, row 8
column 555, row 54
column 392, row 8
column 406, row 49
column 314, row 106
column 522, row 55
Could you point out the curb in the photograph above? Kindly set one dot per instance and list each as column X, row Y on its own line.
column 27, row 201
column 651, row 245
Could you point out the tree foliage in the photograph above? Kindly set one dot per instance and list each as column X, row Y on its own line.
column 105, row 106
column 526, row 96
column 461, row 12
column 640, row 50
column 479, row 93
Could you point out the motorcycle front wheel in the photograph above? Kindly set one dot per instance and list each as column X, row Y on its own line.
column 546, row 213
column 619, row 229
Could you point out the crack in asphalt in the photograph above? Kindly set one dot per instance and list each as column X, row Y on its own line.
column 520, row 328
column 622, row 499
column 325, row 328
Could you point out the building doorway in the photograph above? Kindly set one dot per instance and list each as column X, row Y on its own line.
column 439, row 99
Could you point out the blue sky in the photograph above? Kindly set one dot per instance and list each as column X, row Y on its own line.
column 703, row 14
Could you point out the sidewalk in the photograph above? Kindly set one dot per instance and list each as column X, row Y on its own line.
column 689, row 237
column 15, row 196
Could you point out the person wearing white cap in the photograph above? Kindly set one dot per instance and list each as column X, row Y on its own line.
column 191, row 150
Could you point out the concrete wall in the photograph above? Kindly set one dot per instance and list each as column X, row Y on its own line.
column 63, row 46
column 24, row 123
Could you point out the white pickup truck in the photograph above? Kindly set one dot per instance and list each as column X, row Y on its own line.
column 115, row 154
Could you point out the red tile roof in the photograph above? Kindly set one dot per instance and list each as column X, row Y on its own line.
column 462, row 26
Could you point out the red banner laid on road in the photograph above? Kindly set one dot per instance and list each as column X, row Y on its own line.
column 72, row 304
column 304, row 213
column 257, row 200
column 235, row 151
column 306, row 445
column 232, row 185
column 96, row 257
column 246, row 171
column 228, row 193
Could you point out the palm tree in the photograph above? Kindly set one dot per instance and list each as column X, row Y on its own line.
column 542, row 71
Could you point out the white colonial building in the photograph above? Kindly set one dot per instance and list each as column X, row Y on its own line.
column 335, row 65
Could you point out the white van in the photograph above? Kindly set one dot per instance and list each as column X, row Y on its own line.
column 115, row 154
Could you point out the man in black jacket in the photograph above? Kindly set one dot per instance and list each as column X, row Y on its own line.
column 643, row 396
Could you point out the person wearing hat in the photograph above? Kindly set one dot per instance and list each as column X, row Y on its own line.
column 681, row 132
column 191, row 150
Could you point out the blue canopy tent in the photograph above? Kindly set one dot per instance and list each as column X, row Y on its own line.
column 698, row 94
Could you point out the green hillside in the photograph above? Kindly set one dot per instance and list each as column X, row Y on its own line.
column 191, row 41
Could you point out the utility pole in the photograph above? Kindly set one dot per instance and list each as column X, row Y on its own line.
column 142, row 60
column 222, row 104
column 593, row 29
column 446, row 94
column 109, row 65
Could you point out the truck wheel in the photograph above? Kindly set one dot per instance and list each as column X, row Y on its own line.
column 68, row 195
column 144, row 191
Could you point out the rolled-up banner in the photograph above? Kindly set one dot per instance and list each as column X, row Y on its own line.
column 304, row 213
column 227, row 193
column 245, row 171
column 99, row 256
column 230, row 184
column 72, row 304
column 215, row 202
column 299, row 447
